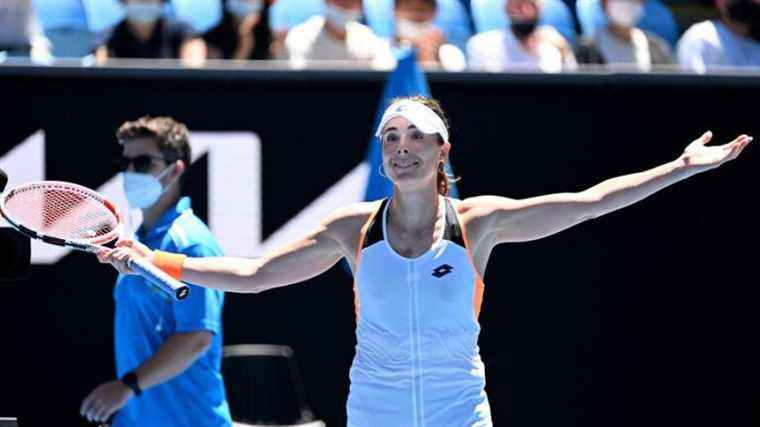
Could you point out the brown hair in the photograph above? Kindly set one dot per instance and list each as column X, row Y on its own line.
column 443, row 180
column 170, row 136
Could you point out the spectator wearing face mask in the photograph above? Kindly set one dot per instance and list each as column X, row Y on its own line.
column 20, row 33
column 414, row 27
column 147, row 33
column 621, row 44
column 337, row 36
column 731, row 41
column 243, row 32
column 524, row 46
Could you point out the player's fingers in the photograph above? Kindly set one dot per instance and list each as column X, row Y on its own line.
column 739, row 148
column 104, row 254
column 125, row 243
column 705, row 138
column 738, row 141
column 110, row 256
column 121, row 255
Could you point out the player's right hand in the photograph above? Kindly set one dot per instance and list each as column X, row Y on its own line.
column 124, row 252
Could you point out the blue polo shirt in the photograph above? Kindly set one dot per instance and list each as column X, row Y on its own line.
column 146, row 317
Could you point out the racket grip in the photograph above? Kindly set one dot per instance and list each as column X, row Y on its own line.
column 173, row 287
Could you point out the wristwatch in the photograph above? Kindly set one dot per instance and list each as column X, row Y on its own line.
column 130, row 380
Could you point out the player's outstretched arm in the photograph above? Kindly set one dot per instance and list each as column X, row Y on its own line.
column 295, row 262
column 508, row 220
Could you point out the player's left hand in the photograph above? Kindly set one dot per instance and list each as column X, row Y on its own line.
column 105, row 400
column 699, row 155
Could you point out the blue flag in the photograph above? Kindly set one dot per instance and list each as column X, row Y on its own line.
column 406, row 80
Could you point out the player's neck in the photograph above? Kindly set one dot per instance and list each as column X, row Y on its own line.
column 414, row 209
column 153, row 213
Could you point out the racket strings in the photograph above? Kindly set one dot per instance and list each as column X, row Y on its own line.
column 62, row 212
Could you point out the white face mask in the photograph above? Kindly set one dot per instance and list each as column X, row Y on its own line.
column 144, row 12
column 143, row 189
column 341, row 17
column 407, row 29
column 242, row 8
column 625, row 13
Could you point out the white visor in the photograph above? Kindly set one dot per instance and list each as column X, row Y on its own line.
column 422, row 117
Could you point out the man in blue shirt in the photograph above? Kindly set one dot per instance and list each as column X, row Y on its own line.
column 168, row 354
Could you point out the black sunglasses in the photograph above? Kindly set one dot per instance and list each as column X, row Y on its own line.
column 141, row 163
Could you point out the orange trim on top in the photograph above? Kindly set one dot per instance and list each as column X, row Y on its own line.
column 362, row 237
column 477, row 299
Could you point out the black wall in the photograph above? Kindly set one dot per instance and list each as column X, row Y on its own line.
column 647, row 316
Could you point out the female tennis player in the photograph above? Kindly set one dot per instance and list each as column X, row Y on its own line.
column 418, row 259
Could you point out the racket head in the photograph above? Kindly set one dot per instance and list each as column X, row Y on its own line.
column 61, row 213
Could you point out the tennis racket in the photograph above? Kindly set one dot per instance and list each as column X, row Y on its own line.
column 66, row 214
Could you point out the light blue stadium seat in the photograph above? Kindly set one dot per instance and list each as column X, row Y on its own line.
column 490, row 15
column 76, row 27
column 286, row 14
column 451, row 18
column 202, row 15
column 100, row 15
column 103, row 14
column 657, row 18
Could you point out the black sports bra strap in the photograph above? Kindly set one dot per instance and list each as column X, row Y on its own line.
column 453, row 231
column 375, row 230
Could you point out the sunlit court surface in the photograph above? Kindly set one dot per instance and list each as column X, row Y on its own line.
column 378, row 213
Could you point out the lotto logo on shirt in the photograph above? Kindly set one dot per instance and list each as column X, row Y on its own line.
column 442, row 270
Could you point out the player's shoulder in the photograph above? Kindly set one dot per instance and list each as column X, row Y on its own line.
column 354, row 213
column 348, row 220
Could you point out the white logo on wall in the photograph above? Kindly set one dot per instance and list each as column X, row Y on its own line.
column 234, row 191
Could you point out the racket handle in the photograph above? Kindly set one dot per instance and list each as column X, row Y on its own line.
column 173, row 287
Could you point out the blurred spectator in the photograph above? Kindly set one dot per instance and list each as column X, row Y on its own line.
column 20, row 33
column 287, row 14
column 656, row 18
column 337, row 35
column 451, row 16
column 524, row 46
column 146, row 33
column 243, row 32
column 414, row 27
column 622, row 45
column 489, row 15
column 733, row 40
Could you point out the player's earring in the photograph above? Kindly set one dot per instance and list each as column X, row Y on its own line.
column 381, row 171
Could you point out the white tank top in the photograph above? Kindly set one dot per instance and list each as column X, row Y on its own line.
column 417, row 359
